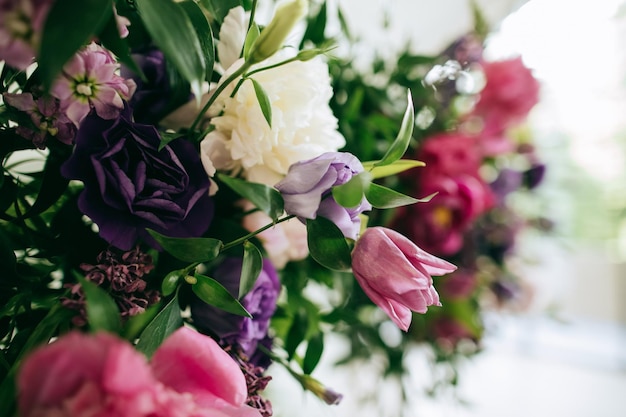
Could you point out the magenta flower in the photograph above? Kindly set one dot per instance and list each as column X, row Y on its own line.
column 306, row 190
column 89, row 81
column 46, row 116
column 21, row 24
column 449, row 154
column 100, row 375
column 396, row 274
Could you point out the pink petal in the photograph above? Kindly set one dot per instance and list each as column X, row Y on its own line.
column 191, row 362
column 77, row 111
column 400, row 314
column 23, row 102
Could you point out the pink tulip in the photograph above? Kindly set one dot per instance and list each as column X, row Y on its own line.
column 100, row 375
column 396, row 274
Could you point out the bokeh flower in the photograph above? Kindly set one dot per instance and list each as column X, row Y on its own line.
column 396, row 274
column 82, row 375
column 131, row 185
column 21, row 24
column 303, row 125
column 243, row 332
column 306, row 190
column 89, row 81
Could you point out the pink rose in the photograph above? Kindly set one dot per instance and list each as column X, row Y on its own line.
column 449, row 154
column 82, row 375
column 396, row 274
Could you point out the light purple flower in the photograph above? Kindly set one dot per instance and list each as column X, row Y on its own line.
column 244, row 332
column 89, row 81
column 306, row 190
column 21, row 23
column 47, row 118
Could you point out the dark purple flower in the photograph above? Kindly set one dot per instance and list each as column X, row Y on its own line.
column 534, row 175
column 232, row 329
column 130, row 185
column 306, row 190
column 122, row 275
column 508, row 180
column 153, row 98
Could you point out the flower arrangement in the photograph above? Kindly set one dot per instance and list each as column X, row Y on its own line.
column 176, row 176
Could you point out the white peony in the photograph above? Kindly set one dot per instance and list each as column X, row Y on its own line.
column 303, row 125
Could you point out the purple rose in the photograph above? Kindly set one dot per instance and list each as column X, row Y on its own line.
column 129, row 185
column 306, row 190
column 260, row 302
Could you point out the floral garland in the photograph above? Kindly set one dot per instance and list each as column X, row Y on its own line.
column 156, row 257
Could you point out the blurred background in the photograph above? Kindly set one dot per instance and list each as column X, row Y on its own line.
column 564, row 354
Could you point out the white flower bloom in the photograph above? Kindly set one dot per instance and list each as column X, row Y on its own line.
column 232, row 36
column 303, row 125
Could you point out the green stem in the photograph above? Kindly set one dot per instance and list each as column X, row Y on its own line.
column 252, row 13
column 256, row 232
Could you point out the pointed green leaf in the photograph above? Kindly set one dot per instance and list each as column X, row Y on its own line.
column 70, row 25
column 264, row 101
column 401, row 143
column 167, row 137
column 219, row 8
column 265, row 198
column 102, row 312
column 296, row 333
column 191, row 249
column 137, row 323
column 327, row 244
column 250, row 269
column 204, row 32
column 110, row 38
column 313, row 353
column 394, row 168
column 164, row 324
column 213, row 293
column 251, row 36
column 350, row 194
column 385, row 198
column 173, row 32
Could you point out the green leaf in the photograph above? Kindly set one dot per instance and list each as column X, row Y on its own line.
column 313, row 353
column 191, row 249
column 401, row 143
column 394, row 168
column 167, row 137
column 171, row 281
column 110, row 38
column 250, row 269
column 316, row 27
column 327, row 244
column 264, row 101
column 164, row 324
column 102, row 312
column 220, row 8
column 204, row 32
column 265, row 198
column 251, row 36
column 350, row 194
column 385, row 198
column 213, row 293
column 138, row 323
column 70, row 25
column 173, row 32
column 296, row 333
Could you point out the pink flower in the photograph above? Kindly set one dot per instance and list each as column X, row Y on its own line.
column 89, row 81
column 510, row 93
column 449, row 154
column 100, row 375
column 396, row 274
column 21, row 24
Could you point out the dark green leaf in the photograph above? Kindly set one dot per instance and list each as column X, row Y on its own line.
column 213, row 293
column 264, row 101
column 171, row 281
column 401, row 143
column 102, row 312
column 250, row 269
column 137, row 323
column 251, row 36
column 191, row 249
column 167, row 137
column 386, row 198
column 164, row 324
column 296, row 334
column 350, row 194
column 313, row 353
column 266, row 199
column 8, row 193
column 173, row 33
column 110, row 38
column 327, row 244
column 219, row 8
column 316, row 26
column 205, row 35
column 70, row 25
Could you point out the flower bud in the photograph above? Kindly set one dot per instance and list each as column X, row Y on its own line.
column 273, row 36
column 327, row 395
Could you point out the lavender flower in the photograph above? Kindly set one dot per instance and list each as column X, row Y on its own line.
column 306, row 190
column 243, row 332
column 131, row 185
column 122, row 275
